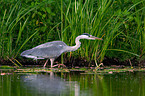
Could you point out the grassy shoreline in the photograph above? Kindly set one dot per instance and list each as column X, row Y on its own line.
column 26, row 24
column 83, row 70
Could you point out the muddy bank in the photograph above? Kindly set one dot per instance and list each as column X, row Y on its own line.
column 79, row 62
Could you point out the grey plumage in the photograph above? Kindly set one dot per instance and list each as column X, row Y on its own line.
column 46, row 50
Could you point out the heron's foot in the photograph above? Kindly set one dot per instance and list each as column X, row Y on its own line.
column 58, row 65
column 61, row 65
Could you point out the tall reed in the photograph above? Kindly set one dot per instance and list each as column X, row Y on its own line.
column 100, row 18
column 120, row 24
column 13, row 27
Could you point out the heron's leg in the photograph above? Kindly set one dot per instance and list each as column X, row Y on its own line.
column 45, row 63
column 52, row 60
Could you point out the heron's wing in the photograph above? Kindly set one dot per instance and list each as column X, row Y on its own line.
column 49, row 44
column 51, row 51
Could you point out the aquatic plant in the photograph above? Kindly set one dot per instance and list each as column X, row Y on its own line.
column 114, row 21
column 26, row 24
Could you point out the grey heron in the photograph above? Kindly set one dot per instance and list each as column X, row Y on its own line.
column 52, row 50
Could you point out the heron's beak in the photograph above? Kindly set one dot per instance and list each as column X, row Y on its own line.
column 93, row 37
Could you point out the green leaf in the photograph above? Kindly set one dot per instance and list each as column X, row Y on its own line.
column 48, row 10
column 44, row 15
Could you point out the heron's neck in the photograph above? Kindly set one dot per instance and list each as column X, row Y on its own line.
column 78, row 44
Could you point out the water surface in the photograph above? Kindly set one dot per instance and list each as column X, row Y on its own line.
column 73, row 84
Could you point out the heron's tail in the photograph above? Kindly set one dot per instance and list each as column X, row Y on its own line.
column 27, row 52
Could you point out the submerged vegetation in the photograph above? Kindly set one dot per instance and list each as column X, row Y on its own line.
column 25, row 24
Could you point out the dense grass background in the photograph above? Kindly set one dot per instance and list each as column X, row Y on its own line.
column 25, row 24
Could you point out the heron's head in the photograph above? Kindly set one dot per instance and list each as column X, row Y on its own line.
column 88, row 36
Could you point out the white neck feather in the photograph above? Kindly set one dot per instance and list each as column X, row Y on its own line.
column 78, row 44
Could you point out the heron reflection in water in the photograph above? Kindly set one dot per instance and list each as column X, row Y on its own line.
column 52, row 50
column 47, row 84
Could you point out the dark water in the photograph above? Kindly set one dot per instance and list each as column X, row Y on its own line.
column 73, row 84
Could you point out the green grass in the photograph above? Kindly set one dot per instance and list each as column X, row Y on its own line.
column 102, row 18
column 26, row 24
column 13, row 29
